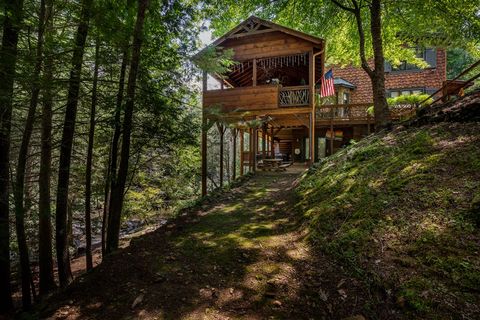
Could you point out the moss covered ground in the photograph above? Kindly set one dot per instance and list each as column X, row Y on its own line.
column 401, row 210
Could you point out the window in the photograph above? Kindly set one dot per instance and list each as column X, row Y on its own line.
column 393, row 93
column 427, row 54
column 346, row 98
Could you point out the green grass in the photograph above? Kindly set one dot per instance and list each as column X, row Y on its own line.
column 403, row 208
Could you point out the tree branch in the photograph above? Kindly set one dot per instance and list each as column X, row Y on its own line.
column 361, row 34
column 338, row 4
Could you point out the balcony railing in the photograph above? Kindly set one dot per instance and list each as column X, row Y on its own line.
column 294, row 96
column 359, row 112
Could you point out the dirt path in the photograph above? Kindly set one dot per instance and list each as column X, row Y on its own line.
column 239, row 257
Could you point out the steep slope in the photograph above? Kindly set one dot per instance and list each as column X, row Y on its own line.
column 402, row 210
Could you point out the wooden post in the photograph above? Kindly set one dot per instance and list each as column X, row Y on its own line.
column 272, row 144
column 264, row 141
column 221, row 130
column 311, row 70
column 234, row 160
column 204, row 140
column 254, row 76
column 332, row 135
column 250, row 150
column 254, row 149
column 242, row 132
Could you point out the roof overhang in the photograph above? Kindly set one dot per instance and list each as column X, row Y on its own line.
column 254, row 25
column 343, row 83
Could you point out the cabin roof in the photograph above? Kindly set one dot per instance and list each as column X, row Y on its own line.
column 254, row 25
column 343, row 83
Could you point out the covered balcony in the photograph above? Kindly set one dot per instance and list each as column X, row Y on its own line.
column 265, row 83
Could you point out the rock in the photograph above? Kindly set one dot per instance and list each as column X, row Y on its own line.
column 231, row 290
column 137, row 301
column 342, row 293
column 277, row 303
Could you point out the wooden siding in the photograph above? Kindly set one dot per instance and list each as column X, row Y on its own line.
column 267, row 45
column 243, row 98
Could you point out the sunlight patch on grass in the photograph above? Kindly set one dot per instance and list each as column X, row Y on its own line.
column 231, row 208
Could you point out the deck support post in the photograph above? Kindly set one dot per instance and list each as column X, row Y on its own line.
column 250, row 149
column 264, row 141
column 242, row 161
column 332, row 134
column 310, row 138
column 234, row 159
column 204, row 140
column 254, row 149
column 221, row 130
column 272, row 144
column 311, row 82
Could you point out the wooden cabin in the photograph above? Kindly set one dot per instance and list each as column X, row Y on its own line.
column 275, row 85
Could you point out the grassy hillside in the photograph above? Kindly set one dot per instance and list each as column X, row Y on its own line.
column 403, row 210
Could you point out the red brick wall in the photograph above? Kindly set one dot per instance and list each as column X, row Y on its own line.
column 427, row 78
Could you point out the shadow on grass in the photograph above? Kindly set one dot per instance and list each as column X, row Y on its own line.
column 240, row 256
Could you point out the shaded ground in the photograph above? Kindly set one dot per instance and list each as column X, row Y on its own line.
column 242, row 256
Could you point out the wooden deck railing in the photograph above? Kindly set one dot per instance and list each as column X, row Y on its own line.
column 294, row 96
column 358, row 112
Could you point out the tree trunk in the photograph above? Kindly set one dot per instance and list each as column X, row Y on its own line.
column 19, row 191
column 88, row 173
column 113, row 157
column 381, row 111
column 47, row 282
column 8, row 58
column 63, row 256
column 377, row 75
column 117, row 192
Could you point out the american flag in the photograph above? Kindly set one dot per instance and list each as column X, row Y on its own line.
column 327, row 85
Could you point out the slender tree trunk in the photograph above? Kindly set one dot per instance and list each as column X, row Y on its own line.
column 113, row 157
column 19, row 191
column 377, row 75
column 63, row 256
column 88, row 173
column 381, row 111
column 8, row 58
column 47, row 281
column 117, row 192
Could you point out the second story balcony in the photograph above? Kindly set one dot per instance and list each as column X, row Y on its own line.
column 261, row 97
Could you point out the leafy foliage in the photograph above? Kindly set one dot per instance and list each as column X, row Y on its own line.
column 406, row 24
